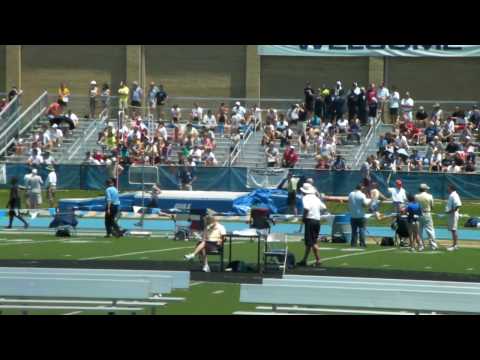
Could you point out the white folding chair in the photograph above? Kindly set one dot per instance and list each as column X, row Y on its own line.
column 278, row 253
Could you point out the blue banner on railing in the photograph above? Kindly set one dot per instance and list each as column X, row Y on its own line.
column 90, row 177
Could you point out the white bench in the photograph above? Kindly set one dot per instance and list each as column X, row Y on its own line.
column 36, row 288
column 180, row 279
column 362, row 295
column 160, row 282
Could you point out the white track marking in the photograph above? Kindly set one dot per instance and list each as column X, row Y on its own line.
column 146, row 252
column 32, row 242
column 218, row 292
column 73, row 313
column 197, row 283
column 356, row 254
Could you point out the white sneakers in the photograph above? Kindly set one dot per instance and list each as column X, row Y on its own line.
column 453, row 248
column 206, row 269
column 189, row 257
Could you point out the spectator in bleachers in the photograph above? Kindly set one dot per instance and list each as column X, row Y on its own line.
column 239, row 109
column 309, row 101
column 421, row 117
column 323, row 162
column 352, row 101
column 342, row 125
column 320, row 109
column 407, row 105
column 340, row 102
column 3, row 104
column 437, row 114
column 290, row 157
column 47, row 138
column 394, row 105
column 197, row 114
column 93, row 93
column 222, row 115
column 14, row 92
column 48, row 159
column 362, row 106
column 354, row 131
column 64, row 93
column 209, row 158
column 475, row 116
column 176, row 113
column 272, row 155
column 415, row 162
column 152, row 98
column 123, row 95
column 137, row 95
column 209, row 121
column 105, row 96
column 35, row 158
column 339, row 164
column 372, row 102
column 382, row 95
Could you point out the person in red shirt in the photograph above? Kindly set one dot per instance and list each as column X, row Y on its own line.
column 290, row 157
column 54, row 110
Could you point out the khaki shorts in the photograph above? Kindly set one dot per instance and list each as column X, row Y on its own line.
column 453, row 221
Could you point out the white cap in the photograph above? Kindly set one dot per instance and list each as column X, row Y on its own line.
column 34, row 171
column 93, row 82
column 54, row 126
column 238, row 103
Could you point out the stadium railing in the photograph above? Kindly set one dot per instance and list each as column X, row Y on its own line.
column 80, row 143
column 10, row 111
column 24, row 122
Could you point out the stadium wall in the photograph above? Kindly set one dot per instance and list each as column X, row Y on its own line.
column 435, row 78
column 226, row 71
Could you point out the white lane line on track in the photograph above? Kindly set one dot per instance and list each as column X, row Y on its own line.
column 146, row 252
column 32, row 242
column 355, row 254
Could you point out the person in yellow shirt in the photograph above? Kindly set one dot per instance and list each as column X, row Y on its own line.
column 213, row 239
column 64, row 93
column 123, row 93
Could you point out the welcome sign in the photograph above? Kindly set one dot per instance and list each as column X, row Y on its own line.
column 371, row 50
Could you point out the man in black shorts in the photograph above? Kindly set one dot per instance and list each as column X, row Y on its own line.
column 312, row 208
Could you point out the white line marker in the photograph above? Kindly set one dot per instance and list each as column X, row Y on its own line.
column 218, row 292
column 428, row 268
column 356, row 254
column 385, row 266
column 197, row 283
column 470, row 269
column 145, row 252
column 67, row 255
column 73, row 313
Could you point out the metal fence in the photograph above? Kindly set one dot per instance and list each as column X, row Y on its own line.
column 10, row 112
column 24, row 122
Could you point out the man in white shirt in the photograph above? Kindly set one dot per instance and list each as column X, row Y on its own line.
column 162, row 130
column 210, row 159
column 312, row 210
column 239, row 109
column 399, row 196
column 51, row 185
column 272, row 155
column 394, row 104
column 34, row 185
column 35, row 159
column 342, row 125
column 209, row 121
column 197, row 113
column 357, row 204
column 382, row 95
column 452, row 209
column 407, row 104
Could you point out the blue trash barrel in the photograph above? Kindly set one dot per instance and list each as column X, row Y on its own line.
column 342, row 227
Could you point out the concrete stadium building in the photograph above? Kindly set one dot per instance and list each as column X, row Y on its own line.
column 236, row 71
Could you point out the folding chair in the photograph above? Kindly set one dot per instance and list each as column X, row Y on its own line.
column 278, row 254
column 260, row 220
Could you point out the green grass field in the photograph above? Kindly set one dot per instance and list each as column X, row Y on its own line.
column 210, row 298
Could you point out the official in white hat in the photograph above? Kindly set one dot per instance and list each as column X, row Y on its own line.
column 312, row 209
column 426, row 222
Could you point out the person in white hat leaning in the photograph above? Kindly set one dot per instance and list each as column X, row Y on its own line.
column 312, row 208
column 426, row 222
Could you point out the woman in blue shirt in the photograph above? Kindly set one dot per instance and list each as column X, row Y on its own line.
column 414, row 212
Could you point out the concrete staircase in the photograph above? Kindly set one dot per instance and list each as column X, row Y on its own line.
column 56, row 153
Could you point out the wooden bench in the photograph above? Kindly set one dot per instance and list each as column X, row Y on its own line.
column 160, row 282
column 362, row 296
